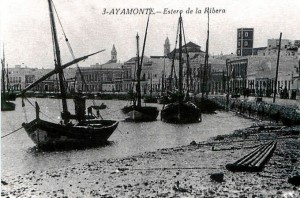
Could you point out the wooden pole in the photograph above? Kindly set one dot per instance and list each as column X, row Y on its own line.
column 205, row 72
column 138, row 72
column 275, row 83
column 180, row 60
column 58, row 65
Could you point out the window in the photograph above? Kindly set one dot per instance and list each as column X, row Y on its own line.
column 239, row 34
column 246, row 43
column 246, row 34
column 239, row 44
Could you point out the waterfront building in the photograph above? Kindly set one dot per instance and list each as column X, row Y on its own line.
column 108, row 77
column 245, row 38
column 21, row 77
column 236, row 70
column 260, row 74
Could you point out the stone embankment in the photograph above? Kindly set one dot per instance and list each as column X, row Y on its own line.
column 261, row 110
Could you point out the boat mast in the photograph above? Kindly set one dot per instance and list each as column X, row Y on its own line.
column 58, row 65
column 3, row 75
column 277, row 65
column 163, row 78
column 188, row 70
column 7, row 80
column 205, row 78
column 138, row 72
column 180, row 59
column 141, row 63
column 173, row 64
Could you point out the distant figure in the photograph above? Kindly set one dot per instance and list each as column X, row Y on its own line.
column 79, row 101
column 249, row 110
column 262, row 111
column 90, row 111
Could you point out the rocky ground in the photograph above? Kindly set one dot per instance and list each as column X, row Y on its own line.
column 176, row 172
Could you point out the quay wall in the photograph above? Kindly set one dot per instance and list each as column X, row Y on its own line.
column 260, row 110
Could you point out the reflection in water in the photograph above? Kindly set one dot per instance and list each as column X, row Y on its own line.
column 19, row 154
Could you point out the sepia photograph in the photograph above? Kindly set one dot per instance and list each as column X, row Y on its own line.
column 143, row 98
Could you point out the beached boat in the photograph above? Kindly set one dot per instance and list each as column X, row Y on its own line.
column 137, row 112
column 204, row 103
column 181, row 111
column 6, row 95
column 75, row 129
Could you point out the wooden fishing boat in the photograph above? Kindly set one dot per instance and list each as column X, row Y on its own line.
column 137, row 112
column 76, row 129
column 204, row 103
column 182, row 111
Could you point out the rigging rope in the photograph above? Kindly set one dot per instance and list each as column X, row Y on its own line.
column 11, row 132
column 71, row 52
column 41, row 111
column 187, row 63
column 166, row 168
column 69, row 45
column 173, row 60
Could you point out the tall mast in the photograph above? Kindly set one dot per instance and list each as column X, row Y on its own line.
column 138, row 72
column 180, row 57
column 7, row 80
column 277, row 65
column 57, row 61
column 141, row 63
column 163, row 78
column 173, row 63
column 188, row 74
column 3, row 73
column 206, row 61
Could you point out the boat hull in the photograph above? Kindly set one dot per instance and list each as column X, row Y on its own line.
column 142, row 114
column 181, row 113
column 8, row 106
column 47, row 134
column 150, row 100
column 206, row 105
column 163, row 100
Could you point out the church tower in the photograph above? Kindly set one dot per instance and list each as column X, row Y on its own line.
column 166, row 47
column 113, row 55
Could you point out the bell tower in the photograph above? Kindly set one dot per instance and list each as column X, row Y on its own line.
column 114, row 54
column 166, row 47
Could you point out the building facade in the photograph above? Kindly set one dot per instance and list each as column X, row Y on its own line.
column 245, row 38
column 20, row 77
column 236, row 70
column 108, row 77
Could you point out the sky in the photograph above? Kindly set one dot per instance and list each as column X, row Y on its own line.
column 26, row 35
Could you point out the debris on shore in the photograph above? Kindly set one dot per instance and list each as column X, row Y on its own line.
column 194, row 170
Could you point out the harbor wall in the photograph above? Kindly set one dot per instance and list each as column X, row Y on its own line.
column 260, row 110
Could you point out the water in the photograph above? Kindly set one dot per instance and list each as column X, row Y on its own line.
column 18, row 157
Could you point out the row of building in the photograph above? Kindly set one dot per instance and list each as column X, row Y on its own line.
column 249, row 71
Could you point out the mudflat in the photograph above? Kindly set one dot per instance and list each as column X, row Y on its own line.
column 176, row 172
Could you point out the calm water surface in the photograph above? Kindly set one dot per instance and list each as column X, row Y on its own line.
column 18, row 157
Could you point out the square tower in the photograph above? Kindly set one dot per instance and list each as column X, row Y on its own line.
column 245, row 37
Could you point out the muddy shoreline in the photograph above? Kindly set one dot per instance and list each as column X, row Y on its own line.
column 175, row 172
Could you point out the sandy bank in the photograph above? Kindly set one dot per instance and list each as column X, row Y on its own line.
column 176, row 172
